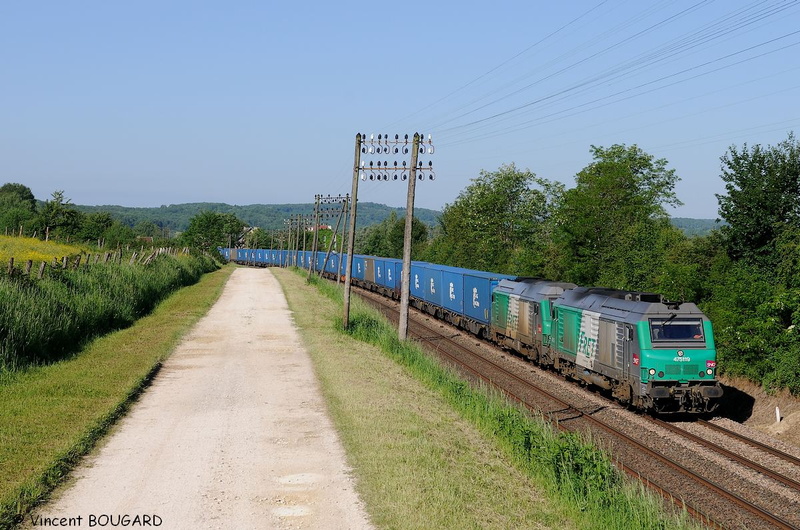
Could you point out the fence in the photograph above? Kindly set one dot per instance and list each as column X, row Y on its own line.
column 75, row 262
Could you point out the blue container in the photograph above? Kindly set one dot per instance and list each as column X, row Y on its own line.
column 478, row 287
column 392, row 271
column 358, row 267
column 330, row 266
column 380, row 270
column 417, row 288
column 453, row 289
column 432, row 278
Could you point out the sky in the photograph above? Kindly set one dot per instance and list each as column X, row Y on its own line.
column 152, row 103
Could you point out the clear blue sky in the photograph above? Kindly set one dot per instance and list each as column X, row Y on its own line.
column 163, row 102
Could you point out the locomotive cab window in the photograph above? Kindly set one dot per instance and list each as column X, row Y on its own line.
column 676, row 330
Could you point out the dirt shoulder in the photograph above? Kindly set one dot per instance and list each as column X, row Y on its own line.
column 749, row 404
column 233, row 433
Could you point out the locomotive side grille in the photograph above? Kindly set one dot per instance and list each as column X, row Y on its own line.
column 619, row 353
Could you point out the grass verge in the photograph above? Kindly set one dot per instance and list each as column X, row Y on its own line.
column 52, row 415
column 431, row 451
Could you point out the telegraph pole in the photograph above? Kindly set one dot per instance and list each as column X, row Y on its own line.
column 351, row 239
column 316, row 230
column 341, row 245
column 405, row 284
column 382, row 171
column 297, row 238
column 327, row 213
column 288, row 229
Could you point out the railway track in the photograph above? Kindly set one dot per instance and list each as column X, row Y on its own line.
column 683, row 479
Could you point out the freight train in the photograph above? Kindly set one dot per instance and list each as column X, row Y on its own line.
column 649, row 353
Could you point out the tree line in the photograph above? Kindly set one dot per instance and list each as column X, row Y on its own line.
column 612, row 230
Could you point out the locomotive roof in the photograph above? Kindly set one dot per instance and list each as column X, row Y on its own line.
column 534, row 288
column 626, row 305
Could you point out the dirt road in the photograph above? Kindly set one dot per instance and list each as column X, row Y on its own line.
column 233, row 433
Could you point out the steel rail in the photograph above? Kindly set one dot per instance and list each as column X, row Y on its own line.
column 754, row 443
column 786, row 481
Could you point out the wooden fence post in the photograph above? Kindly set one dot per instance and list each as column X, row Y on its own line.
column 41, row 269
column 11, row 266
column 28, row 265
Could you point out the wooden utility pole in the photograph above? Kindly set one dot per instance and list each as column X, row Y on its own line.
column 297, row 239
column 405, row 285
column 351, row 239
column 341, row 247
column 333, row 237
column 312, row 264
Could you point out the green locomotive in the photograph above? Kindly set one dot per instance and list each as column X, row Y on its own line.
column 650, row 353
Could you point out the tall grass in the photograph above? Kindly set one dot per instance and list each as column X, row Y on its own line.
column 29, row 248
column 45, row 320
column 573, row 469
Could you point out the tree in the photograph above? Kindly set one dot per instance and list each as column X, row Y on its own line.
column 147, row 229
column 209, row 230
column 17, row 207
column 387, row 237
column 60, row 217
column 118, row 234
column 20, row 192
column 498, row 223
column 762, row 199
column 617, row 198
column 95, row 225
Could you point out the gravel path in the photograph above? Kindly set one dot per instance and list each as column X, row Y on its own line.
column 233, row 433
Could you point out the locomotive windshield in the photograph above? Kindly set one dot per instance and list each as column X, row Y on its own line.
column 676, row 330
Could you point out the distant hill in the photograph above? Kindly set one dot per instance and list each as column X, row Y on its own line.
column 270, row 216
column 267, row 216
column 696, row 227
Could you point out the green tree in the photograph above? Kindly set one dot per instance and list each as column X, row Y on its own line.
column 232, row 227
column 386, row 238
column 20, row 192
column 147, row 229
column 762, row 199
column 17, row 207
column 498, row 223
column 95, row 225
column 611, row 214
column 118, row 234
column 209, row 230
column 60, row 217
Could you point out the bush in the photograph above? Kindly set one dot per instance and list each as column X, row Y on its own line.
column 45, row 320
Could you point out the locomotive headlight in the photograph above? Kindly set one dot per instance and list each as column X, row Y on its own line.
column 652, row 371
column 710, row 371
